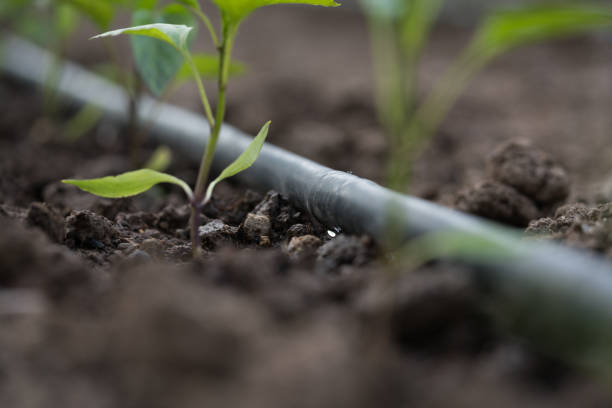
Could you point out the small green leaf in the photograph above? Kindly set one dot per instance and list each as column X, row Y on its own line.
column 84, row 121
column 506, row 30
column 460, row 246
column 173, row 34
column 160, row 160
column 235, row 11
column 243, row 162
column 208, row 68
column 158, row 62
column 128, row 184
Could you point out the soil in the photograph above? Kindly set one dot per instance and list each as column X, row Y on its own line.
column 102, row 306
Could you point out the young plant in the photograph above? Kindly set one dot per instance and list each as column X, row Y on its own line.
column 233, row 12
column 400, row 30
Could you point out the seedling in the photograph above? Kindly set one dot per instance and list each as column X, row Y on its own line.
column 400, row 29
column 233, row 12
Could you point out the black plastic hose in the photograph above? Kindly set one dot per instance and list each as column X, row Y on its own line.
column 566, row 294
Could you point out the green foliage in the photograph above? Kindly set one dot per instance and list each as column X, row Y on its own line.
column 173, row 34
column 459, row 246
column 66, row 20
column 505, row 30
column 207, row 66
column 158, row 65
column 128, row 184
column 160, row 160
column 84, row 121
column 234, row 11
column 190, row 3
column 400, row 29
column 9, row 8
column 243, row 162
column 167, row 60
column 100, row 12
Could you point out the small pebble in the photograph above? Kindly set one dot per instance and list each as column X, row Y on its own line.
column 139, row 256
column 126, row 246
column 153, row 247
column 216, row 232
column 302, row 247
column 256, row 226
column 264, row 241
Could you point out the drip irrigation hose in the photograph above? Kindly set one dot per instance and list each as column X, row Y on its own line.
column 549, row 292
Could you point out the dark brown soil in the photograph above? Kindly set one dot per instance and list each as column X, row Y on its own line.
column 101, row 305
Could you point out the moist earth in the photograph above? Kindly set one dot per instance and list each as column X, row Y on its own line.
column 102, row 306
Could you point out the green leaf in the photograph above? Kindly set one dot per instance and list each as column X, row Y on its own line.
column 128, row 184
column 506, row 30
column 100, row 12
column 66, row 20
column 461, row 246
column 160, row 160
column 243, row 162
column 234, row 11
column 417, row 25
column 84, row 121
column 208, row 68
column 158, row 62
column 190, row 3
column 173, row 34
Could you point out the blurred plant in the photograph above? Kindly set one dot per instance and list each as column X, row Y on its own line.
column 400, row 30
column 158, row 68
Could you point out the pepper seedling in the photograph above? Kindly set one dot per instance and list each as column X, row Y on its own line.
column 400, row 30
column 233, row 13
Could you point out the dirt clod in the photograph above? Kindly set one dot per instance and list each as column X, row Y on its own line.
column 270, row 205
column 216, row 232
column 344, row 250
column 49, row 219
column 579, row 226
column 530, row 171
column 302, row 247
column 153, row 247
column 29, row 259
column 434, row 309
column 498, row 202
column 297, row 230
column 136, row 221
column 173, row 218
column 255, row 226
column 88, row 230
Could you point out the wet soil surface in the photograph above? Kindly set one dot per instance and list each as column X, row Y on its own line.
column 102, row 306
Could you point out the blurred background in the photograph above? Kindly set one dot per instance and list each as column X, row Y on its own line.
column 288, row 334
column 310, row 72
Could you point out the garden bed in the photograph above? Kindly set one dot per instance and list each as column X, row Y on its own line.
column 102, row 307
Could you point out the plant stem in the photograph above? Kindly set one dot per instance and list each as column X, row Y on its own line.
column 225, row 51
column 207, row 23
column 201, row 90
column 431, row 113
column 194, row 225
